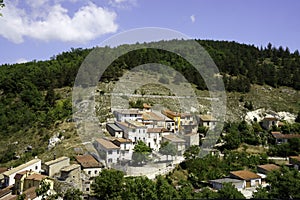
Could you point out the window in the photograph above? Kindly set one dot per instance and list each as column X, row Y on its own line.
column 118, row 151
column 96, row 171
column 110, row 152
column 89, row 172
column 36, row 167
column 87, row 189
column 109, row 160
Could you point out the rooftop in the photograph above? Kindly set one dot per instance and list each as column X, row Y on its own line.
column 279, row 135
column 122, row 140
column 128, row 111
column 173, row 138
column 245, row 175
column 114, row 127
column 132, row 124
column 21, row 167
column 51, row 162
column 269, row 167
column 295, row 158
column 88, row 161
column 70, row 168
column 152, row 116
column 207, row 118
column 107, row 144
column 156, row 130
column 3, row 169
column 226, row 180
column 36, row 177
column 170, row 113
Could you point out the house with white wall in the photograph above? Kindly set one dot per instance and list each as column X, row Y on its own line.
column 127, row 114
column 89, row 165
column 126, row 148
column 250, row 179
column 154, row 137
column 108, row 151
column 33, row 165
column 207, row 121
column 53, row 167
column 133, row 130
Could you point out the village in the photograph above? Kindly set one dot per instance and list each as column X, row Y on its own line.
column 129, row 127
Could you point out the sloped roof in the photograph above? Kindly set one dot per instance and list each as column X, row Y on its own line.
column 36, row 177
column 88, row 161
column 107, row 144
column 21, row 167
column 207, row 118
column 245, row 175
column 51, row 162
column 173, row 138
column 269, row 167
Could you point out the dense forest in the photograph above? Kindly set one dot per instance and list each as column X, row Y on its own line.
column 28, row 100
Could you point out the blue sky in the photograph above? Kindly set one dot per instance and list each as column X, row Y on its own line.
column 39, row 29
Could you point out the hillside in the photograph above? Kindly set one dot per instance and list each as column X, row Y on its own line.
column 35, row 97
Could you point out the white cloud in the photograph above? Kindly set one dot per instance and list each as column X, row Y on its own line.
column 88, row 23
column 21, row 60
column 193, row 18
column 122, row 4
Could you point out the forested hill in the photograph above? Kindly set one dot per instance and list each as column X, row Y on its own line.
column 30, row 104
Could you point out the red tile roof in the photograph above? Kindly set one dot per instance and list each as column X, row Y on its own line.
column 36, row 177
column 279, row 135
column 245, row 175
column 269, row 167
column 88, row 161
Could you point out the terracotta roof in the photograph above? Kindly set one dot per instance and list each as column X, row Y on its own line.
column 170, row 113
column 107, row 144
column 145, row 105
column 269, row 167
column 173, row 138
column 156, row 130
column 19, row 175
column 123, row 140
column 295, row 158
column 30, row 193
column 88, row 161
column 245, row 175
column 36, row 177
column 279, row 135
column 270, row 118
column 3, row 169
column 152, row 116
column 207, row 118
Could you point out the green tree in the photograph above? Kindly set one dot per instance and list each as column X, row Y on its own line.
column 107, row 185
column 164, row 190
column 284, row 183
column 261, row 193
column 137, row 188
column 72, row 194
column 43, row 189
column 141, row 153
column 192, row 152
column 228, row 191
column 206, row 193
column 298, row 118
column 168, row 148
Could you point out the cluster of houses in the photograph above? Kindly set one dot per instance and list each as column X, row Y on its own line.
column 151, row 127
column 26, row 178
column 79, row 174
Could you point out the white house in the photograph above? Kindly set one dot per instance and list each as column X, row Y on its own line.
column 207, row 121
column 126, row 148
column 178, row 142
column 33, row 165
column 250, row 178
column 114, row 130
column 89, row 165
column 270, row 121
column 133, row 130
column 218, row 183
column 153, row 119
column 108, row 151
column 154, row 137
column 127, row 114
column 53, row 167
